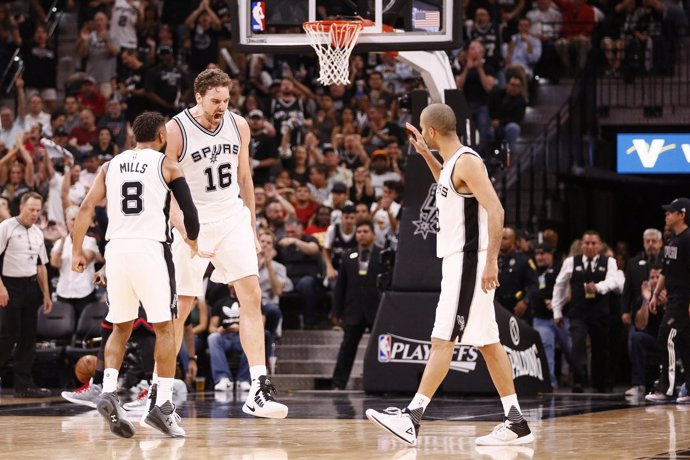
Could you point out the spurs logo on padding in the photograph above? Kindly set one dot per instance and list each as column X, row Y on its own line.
column 428, row 215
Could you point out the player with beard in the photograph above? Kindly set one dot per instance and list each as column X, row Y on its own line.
column 211, row 146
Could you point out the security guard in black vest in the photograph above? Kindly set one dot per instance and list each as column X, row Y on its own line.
column 517, row 276
column 24, row 283
column 591, row 277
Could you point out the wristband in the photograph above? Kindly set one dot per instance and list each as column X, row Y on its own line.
column 192, row 358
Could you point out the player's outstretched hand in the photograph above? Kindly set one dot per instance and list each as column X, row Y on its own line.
column 79, row 263
column 417, row 140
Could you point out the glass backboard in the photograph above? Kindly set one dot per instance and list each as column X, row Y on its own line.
column 275, row 26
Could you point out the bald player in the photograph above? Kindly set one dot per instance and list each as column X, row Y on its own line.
column 470, row 219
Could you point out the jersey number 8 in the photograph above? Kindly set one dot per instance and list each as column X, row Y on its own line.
column 132, row 202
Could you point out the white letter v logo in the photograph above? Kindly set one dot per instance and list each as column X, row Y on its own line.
column 648, row 153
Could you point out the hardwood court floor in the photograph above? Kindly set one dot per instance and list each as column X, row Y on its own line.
column 331, row 426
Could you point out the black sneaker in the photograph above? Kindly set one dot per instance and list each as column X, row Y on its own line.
column 109, row 407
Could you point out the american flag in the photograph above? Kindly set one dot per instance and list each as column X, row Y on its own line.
column 427, row 19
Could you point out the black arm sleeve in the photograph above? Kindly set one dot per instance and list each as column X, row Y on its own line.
column 182, row 194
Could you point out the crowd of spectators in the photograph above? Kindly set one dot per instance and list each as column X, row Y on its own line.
column 323, row 158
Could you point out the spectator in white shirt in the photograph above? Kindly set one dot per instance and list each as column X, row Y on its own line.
column 37, row 116
column 77, row 289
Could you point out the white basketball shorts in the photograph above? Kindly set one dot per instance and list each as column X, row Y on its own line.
column 232, row 242
column 465, row 313
column 140, row 270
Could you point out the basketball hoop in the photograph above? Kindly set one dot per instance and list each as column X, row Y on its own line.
column 333, row 42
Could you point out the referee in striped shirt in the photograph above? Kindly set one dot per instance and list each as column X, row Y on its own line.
column 24, row 282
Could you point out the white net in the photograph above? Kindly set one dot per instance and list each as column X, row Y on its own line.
column 333, row 42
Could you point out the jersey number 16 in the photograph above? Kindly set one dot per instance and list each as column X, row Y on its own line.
column 224, row 177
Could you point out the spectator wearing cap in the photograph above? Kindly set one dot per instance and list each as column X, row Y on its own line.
column 11, row 126
column 100, row 51
column 674, row 331
column 37, row 116
column 337, row 200
column 591, row 277
column 385, row 212
column 517, row 277
column 90, row 97
column 263, row 148
column 547, row 271
column 86, row 134
column 335, row 171
column 24, row 282
column 204, row 27
column 340, row 237
column 165, row 81
column 380, row 171
column 41, row 69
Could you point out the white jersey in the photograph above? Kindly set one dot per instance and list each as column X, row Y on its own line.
column 138, row 197
column 123, row 23
column 210, row 161
column 463, row 223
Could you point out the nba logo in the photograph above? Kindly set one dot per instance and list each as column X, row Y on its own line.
column 384, row 348
column 258, row 16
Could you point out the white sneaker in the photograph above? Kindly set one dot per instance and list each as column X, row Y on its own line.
column 224, row 384
column 142, row 385
column 397, row 422
column 139, row 404
column 507, row 434
column 165, row 419
column 148, row 405
column 86, row 395
column 637, row 390
column 260, row 401
column 244, row 385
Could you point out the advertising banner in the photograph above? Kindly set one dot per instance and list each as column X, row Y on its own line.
column 400, row 344
column 655, row 153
